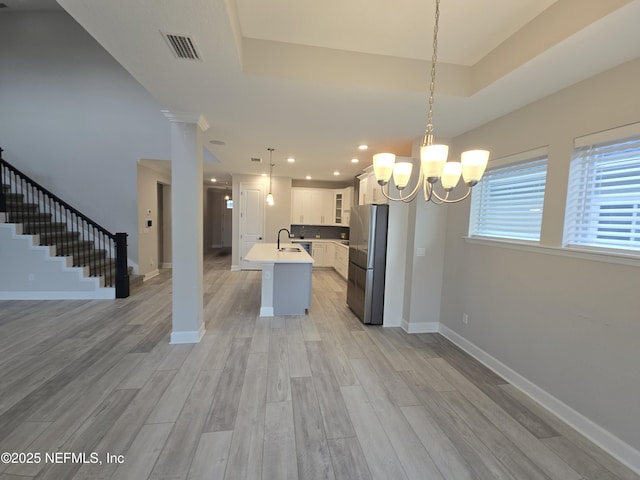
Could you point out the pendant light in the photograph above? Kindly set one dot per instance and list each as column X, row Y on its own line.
column 270, row 201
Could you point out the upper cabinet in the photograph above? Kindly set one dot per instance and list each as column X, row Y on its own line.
column 312, row 206
column 321, row 206
column 342, row 205
column 369, row 189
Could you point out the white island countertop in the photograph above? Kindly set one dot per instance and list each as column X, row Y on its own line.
column 269, row 253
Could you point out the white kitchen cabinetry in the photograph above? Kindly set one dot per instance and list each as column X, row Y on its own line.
column 369, row 189
column 341, row 260
column 318, row 252
column 329, row 253
column 312, row 206
column 342, row 205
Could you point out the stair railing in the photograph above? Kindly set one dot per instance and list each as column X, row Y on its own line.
column 75, row 234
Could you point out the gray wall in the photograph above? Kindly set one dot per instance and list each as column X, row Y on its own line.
column 570, row 325
column 74, row 120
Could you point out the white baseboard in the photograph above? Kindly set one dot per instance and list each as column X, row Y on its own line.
column 235, row 268
column 187, row 337
column 419, row 327
column 166, row 265
column 619, row 449
column 266, row 311
column 151, row 274
column 98, row 294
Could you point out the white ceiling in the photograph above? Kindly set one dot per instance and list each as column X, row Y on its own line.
column 314, row 80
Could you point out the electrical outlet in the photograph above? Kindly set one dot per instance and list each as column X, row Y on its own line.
column 465, row 318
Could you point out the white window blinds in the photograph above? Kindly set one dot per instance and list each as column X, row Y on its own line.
column 603, row 200
column 508, row 202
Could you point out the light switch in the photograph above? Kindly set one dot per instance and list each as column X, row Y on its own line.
column 421, row 252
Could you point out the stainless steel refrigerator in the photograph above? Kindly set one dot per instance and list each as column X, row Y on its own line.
column 367, row 261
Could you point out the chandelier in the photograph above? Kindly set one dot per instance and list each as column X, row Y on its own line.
column 433, row 158
column 270, row 201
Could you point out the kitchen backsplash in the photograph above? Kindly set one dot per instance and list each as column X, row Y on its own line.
column 312, row 231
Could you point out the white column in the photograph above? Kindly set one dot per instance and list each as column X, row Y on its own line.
column 186, row 231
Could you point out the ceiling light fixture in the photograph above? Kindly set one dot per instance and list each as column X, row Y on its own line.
column 291, row 160
column 214, row 180
column 363, row 147
column 354, row 160
column 308, row 177
column 270, row 201
column 336, row 173
column 433, row 158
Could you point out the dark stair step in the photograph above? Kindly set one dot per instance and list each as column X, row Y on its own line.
column 28, row 217
column 55, row 238
column 105, row 267
column 15, row 206
column 89, row 256
column 14, row 197
column 6, row 188
column 74, row 248
column 35, row 228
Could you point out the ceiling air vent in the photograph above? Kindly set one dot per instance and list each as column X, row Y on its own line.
column 182, row 46
column 256, row 159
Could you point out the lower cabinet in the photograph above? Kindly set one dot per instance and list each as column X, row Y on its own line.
column 341, row 260
column 318, row 252
column 332, row 255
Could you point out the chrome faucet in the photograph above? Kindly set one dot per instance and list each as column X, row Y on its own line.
column 279, row 232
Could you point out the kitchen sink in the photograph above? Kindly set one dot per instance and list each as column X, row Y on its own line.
column 289, row 249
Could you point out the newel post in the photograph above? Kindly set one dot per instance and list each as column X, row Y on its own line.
column 3, row 198
column 122, row 270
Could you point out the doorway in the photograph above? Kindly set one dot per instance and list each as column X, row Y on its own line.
column 252, row 203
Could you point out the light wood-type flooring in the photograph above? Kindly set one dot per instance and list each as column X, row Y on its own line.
column 309, row 397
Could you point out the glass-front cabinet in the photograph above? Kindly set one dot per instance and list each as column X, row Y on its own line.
column 339, row 205
column 342, row 205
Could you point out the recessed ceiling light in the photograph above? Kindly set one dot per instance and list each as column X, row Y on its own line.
column 263, row 174
column 363, row 147
column 291, row 159
column 354, row 160
column 214, row 180
column 336, row 173
column 308, row 177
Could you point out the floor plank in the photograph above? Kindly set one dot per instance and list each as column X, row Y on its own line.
column 312, row 450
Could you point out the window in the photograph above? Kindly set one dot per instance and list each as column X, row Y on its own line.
column 508, row 201
column 603, row 201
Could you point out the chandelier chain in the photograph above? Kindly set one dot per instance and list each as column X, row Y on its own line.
column 428, row 136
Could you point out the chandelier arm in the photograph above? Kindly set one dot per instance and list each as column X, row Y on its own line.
column 446, row 198
column 402, row 198
column 389, row 197
column 413, row 193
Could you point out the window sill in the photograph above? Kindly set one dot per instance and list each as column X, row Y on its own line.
column 620, row 258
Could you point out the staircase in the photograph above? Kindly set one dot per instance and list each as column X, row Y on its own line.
column 67, row 232
column 83, row 253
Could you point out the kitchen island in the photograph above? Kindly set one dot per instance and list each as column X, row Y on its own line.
column 286, row 279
